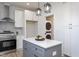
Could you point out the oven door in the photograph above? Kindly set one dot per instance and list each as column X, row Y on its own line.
column 7, row 45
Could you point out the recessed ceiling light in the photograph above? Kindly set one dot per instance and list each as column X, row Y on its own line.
column 27, row 3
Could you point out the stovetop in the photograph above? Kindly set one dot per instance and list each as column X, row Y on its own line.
column 6, row 32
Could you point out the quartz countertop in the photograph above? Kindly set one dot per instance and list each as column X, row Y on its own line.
column 44, row 44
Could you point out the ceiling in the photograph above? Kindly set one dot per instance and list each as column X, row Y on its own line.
column 32, row 6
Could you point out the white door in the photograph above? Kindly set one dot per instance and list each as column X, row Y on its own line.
column 75, row 41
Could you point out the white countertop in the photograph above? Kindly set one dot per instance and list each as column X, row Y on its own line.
column 45, row 44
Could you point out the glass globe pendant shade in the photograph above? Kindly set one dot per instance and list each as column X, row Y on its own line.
column 38, row 12
column 47, row 8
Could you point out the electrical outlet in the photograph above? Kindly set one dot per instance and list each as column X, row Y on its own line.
column 54, row 53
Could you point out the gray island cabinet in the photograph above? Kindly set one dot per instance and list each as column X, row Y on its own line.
column 47, row 48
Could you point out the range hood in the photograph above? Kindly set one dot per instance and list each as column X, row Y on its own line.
column 6, row 17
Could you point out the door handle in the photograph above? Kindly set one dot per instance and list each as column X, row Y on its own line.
column 70, row 27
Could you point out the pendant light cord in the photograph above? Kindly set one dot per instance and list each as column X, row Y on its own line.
column 38, row 3
column 38, row 7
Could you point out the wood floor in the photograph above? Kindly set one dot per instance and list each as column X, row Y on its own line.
column 12, row 53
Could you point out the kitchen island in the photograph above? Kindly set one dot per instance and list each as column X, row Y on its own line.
column 46, row 48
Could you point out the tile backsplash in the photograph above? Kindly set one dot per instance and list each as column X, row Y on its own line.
column 5, row 26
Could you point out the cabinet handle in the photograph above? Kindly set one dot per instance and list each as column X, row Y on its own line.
column 25, row 48
column 70, row 27
column 35, row 48
column 35, row 55
column 70, row 24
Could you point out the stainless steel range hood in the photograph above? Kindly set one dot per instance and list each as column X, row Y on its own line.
column 6, row 17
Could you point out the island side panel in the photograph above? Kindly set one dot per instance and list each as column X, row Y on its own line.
column 55, row 51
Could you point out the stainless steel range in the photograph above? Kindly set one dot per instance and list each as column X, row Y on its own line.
column 7, row 41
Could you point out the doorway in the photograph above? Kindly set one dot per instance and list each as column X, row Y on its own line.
column 31, row 28
column 49, row 27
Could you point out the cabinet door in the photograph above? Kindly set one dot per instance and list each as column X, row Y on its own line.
column 19, row 18
column 19, row 39
column 67, row 14
column 75, row 13
column 75, row 41
column 67, row 41
column 75, row 30
column 68, row 28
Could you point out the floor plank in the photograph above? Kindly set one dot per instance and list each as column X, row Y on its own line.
column 13, row 54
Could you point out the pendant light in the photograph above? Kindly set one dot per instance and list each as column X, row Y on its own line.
column 47, row 7
column 38, row 11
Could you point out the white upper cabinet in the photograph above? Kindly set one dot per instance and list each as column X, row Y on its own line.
column 75, row 14
column 30, row 15
column 67, row 15
column 19, row 18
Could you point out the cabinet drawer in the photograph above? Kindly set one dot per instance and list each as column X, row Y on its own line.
column 37, row 54
column 39, row 50
column 30, row 53
column 33, row 47
column 27, row 53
